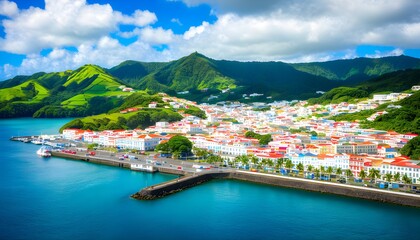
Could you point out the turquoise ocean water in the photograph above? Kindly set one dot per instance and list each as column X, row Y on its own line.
column 62, row 199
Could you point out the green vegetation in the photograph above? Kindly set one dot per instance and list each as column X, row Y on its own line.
column 398, row 81
column 85, row 91
column 359, row 69
column 403, row 120
column 362, row 115
column 140, row 119
column 263, row 139
column 178, row 145
column 340, row 94
column 412, row 148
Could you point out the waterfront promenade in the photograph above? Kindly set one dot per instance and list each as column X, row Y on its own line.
column 190, row 176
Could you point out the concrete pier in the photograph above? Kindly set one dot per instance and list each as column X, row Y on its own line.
column 176, row 185
column 190, row 179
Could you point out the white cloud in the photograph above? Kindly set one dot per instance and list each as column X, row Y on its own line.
column 65, row 23
column 156, row 35
column 177, row 21
column 379, row 54
column 8, row 8
column 251, row 30
column 194, row 31
column 139, row 18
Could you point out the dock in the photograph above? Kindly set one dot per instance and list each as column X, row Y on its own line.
column 190, row 177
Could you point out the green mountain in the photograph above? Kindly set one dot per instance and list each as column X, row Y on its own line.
column 202, row 77
column 132, row 71
column 359, row 69
column 398, row 81
column 87, row 90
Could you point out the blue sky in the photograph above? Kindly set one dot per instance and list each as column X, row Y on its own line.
column 56, row 35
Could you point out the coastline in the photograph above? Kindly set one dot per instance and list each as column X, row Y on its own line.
column 190, row 179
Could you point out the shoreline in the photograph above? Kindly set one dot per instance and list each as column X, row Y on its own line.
column 191, row 179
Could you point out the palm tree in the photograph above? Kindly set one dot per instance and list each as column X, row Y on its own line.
column 397, row 177
column 329, row 171
column 388, row 177
column 407, row 181
column 362, row 175
column 289, row 164
column 270, row 163
column 317, row 173
column 244, row 160
column 309, row 168
column 374, row 173
column 300, row 168
column 339, row 172
column 280, row 162
column 264, row 163
column 349, row 173
column 254, row 160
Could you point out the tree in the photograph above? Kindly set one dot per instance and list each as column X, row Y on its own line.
column 254, row 160
column 339, row 172
column 362, row 175
column 270, row 162
column 374, row 173
column 317, row 173
column 329, row 171
column 244, row 161
column 388, row 177
column 280, row 163
column 349, row 173
column 406, row 179
column 180, row 144
column 397, row 177
column 300, row 167
column 289, row 164
column 309, row 168
column 412, row 148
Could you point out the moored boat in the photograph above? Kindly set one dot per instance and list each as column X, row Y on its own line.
column 143, row 167
column 44, row 151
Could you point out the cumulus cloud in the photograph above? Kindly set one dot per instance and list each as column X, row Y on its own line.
column 276, row 30
column 8, row 8
column 65, row 23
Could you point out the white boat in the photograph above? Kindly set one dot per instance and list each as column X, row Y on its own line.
column 44, row 151
column 37, row 141
column 143, row 167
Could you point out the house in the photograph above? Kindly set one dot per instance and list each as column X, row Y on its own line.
column 152, row 105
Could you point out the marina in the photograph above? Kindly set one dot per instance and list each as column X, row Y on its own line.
column 192, row 174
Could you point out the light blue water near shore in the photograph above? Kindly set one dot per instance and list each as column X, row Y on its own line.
column 63, row 199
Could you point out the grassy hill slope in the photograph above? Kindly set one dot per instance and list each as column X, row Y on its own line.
column 359, row 69
column 398, row 81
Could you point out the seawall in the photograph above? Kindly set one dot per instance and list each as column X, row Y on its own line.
column 176, row 185
column 329, row 187
column 92, row 159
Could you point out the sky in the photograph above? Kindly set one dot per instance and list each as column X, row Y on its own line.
column 57, row 35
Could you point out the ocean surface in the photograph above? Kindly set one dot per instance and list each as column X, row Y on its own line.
column 62, row 199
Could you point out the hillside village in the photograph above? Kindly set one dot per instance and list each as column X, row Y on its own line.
column 299, row 132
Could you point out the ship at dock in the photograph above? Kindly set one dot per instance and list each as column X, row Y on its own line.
column 44, row 151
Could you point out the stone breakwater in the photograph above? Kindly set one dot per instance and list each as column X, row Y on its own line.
column 190, row 179
column 173, row 186
column 176, row 185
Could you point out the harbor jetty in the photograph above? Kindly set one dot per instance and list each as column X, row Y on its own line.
column 190, row 177
column 173, row 186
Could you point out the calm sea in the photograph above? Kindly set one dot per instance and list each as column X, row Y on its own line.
column 62, row 199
